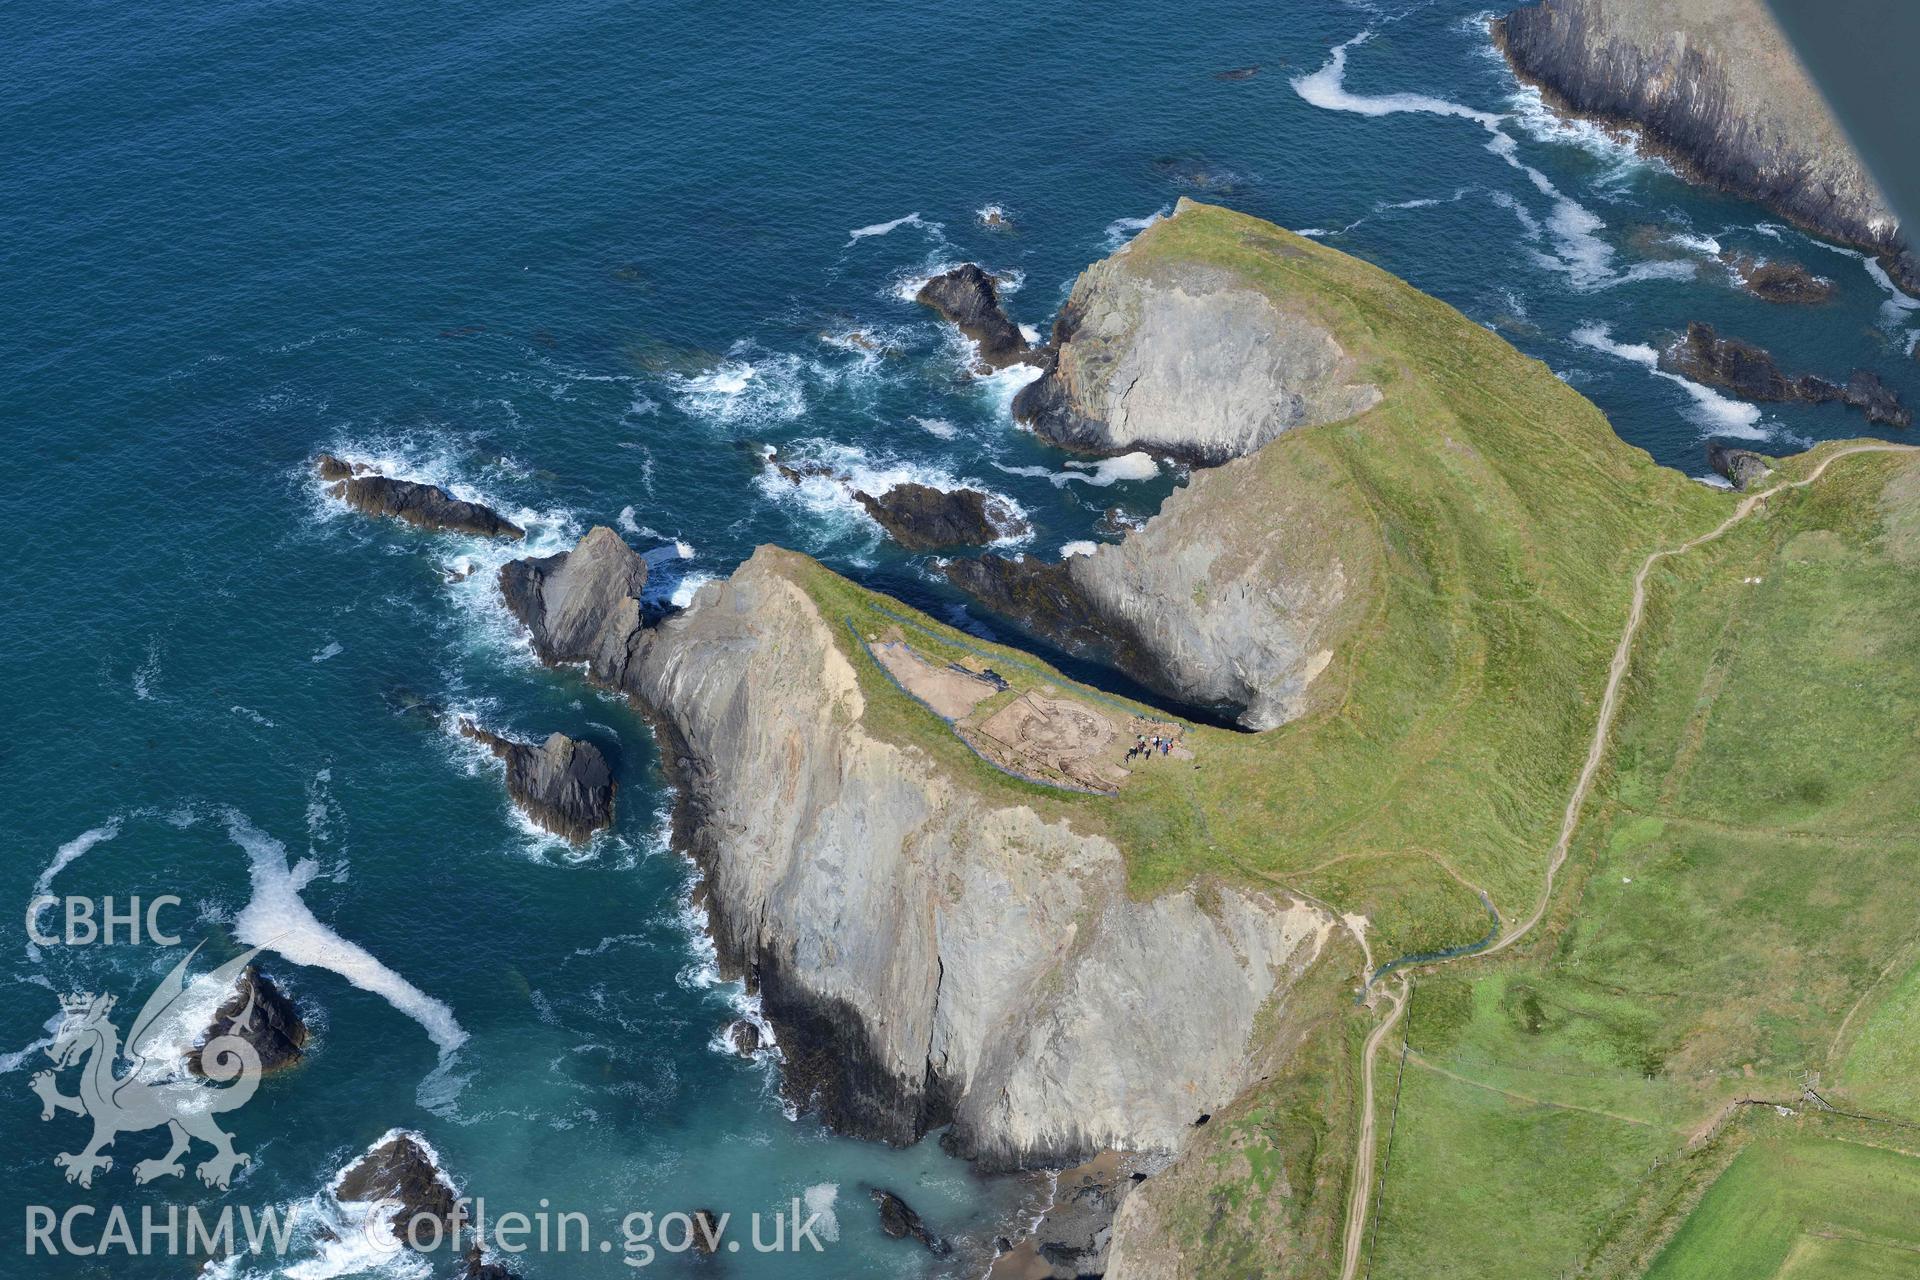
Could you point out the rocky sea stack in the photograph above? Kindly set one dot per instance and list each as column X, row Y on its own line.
column 563, row 784
column 1751, row 373
column 969, row 298
column 1772, row 280
column 581, row 605
column 400, row 1168
column 426, row 506
column 259, row 1013
column 1185, row 359
column 1714, row 85
column 922, row 518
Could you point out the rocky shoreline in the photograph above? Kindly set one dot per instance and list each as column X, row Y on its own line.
column 1716, row 89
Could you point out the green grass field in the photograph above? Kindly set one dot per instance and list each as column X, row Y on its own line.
column 1741, row 888
column 1796, row 1207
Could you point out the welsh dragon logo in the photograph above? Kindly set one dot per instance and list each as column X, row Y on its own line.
column 142, row 1099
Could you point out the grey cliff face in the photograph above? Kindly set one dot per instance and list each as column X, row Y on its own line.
column 581, row 605
column 563, row 784
column 1743, row 468
column 926, row 956
column 1228, row 599
column 1715, row 85
column 1185, row 361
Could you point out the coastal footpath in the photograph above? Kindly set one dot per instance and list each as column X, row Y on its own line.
column 1714, row 86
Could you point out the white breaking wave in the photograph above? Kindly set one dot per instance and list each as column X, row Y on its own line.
column 739, row 390
column 1080, row 548
column 1121, row 231
column 847, row 469
column 333, row 649
column 819, row 1200
column 882, row 228
column 277, row 919
column 939, row 427
column 64, row 856
column 1719, row 414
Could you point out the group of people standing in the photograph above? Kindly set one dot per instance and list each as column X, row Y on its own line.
column 1149, row 746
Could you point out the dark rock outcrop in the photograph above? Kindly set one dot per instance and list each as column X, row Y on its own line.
column 1743, row 468
column 1718, row 89
column 400, row 1168
column 426, row 506
column 563, row 784
column 1775, row 281
column 581, row 605
column 744, row 1036
column 970, row 299
column 1750, row 372
column 900, row 1222
column 706, row 1232
column 921, row 518
column 259, row 1013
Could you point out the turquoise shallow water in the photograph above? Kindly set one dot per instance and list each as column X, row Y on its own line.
column 579, row 259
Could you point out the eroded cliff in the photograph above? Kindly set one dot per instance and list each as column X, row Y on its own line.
column 927, row 954
column 1715, row 85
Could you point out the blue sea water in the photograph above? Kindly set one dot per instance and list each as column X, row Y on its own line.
column 581, row 260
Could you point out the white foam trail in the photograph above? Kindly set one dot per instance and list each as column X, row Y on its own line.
column 1706, row 246
column 1079, row 548
column 1719, row 414
column 1326, row 88
column 64, row 856
column 939, row 427
column 144, row 674
column 882, row 228
column 626, row 522
column 1580, row 254
column 333, row 649
column 250, row 714
column 276, row 918
column 1107, row 471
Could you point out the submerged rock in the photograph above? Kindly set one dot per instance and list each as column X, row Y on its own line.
column 476, row 1267
column 1743, row 468
column 1751, row 373
column 1717, row 88
column 563, row 784
column 1183, row 358
column 744, row 1036
column 1777, row 281
column 921, row 518
column 900, row 1222
column 260, row 1014
column 969, row 298
column 426, row 506
column 706, row 1232
column 581, row 605
column 400, row 1167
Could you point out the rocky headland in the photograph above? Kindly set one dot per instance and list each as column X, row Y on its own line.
column 426, row 506
column 563, row 784
column 1751, row 373
column 1184, row 358
column 926, row 954
column 1714, row 86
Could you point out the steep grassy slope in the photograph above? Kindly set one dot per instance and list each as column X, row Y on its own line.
column 1745, row 892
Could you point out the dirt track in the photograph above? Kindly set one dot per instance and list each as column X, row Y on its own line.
column 1596, row 753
